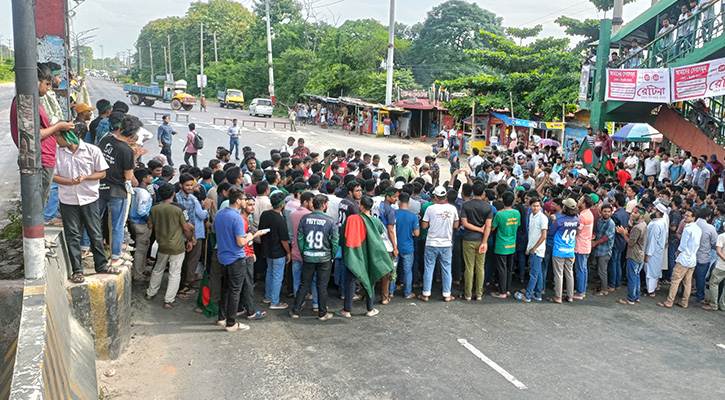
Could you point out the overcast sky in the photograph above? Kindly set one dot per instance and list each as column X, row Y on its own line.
column 121, row 20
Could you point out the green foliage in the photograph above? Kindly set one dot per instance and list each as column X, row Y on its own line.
column 373, row 88
column 6, row 70
column 449, row 29
column 14, row 229
column 540, row 77
column 524, row 33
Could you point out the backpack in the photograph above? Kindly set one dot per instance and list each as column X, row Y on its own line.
column 198, row 141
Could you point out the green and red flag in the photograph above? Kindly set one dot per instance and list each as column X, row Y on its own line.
column 364, row 252
column 606, row 165
column 203, row 299
column 328, row 169
column 586, row 154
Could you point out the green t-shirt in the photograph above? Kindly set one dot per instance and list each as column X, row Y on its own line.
column 506, row 223
column 168, row 220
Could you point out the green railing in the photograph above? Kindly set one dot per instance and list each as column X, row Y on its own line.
column 700, row 117
column 707, row 24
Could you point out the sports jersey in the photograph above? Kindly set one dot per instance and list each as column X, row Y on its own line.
column 565, row 229
column 317, row 237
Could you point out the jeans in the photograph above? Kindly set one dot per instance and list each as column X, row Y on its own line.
column 296, row 278
column 533, row 290
column 416, row 260
column 309, row 271
column 273, row 281
column 51, row 208
column 246, row 301
column 581, row 273
column 340, row 272
column 46, row 180
column 350, row 291
column 216, row 275
column 191, row 156
column 671, row 250
column 234, row 275
column 234, row 147
column 166, row 150
column 174, row 261
column 406, row 263
column 474, row 274
column 74, row 219
column 457, row 258
column 117, row 219
column 603, row 270
column 143, row 236
column 615, row 269
column 520, row 263
column 443, row 254
column 633, row 282
column 700, row 277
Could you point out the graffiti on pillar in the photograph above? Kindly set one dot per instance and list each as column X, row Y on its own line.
column 27, row 149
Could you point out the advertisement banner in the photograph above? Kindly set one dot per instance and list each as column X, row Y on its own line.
column 646, row 85
column 584, row 83
column 698, row 80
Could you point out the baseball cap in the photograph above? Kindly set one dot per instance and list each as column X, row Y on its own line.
column 595, row 197
column 439, row 191
column 569, row 203
column 83, row 107
column 399, row 185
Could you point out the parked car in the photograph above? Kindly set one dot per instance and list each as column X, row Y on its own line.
column 261, row 107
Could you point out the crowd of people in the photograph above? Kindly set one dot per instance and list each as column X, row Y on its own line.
column 307, row 224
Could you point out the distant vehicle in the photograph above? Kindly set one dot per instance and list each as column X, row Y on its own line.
column 173, row 92
column 261, row 107
column 231, row 98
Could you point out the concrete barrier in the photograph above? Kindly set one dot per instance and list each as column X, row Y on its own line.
column 11, row 298
column 54, row 356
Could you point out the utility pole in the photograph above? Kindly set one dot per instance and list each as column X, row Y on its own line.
column 201, row 80
column 1, row 50
column 168, row 38
column 216, row 58
column 103, row 59
column 166, row 67
column 140, row 64
column 391, row 53
column 26, row 85
column 269, row 53
column 617, row 15
column 183, row 47
column 151, row 62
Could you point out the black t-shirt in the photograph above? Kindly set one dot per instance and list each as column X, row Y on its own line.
column 476, row 211
column 93, row 128
column 272, row 241
column 120, row 158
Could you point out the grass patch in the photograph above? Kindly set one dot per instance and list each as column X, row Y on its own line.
column 6, row 71
column 14, row 229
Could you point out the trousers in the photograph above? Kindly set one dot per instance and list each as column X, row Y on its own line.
column 323, row 271
column 684, row 275
column 75, row 218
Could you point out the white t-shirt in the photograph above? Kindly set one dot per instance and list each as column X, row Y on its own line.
column 720, row 243
column 633, row 162
column 537, row 222
column 475, row 162
column 333, row 206
column 441, row 218
column 494, row 177
column 665, row 167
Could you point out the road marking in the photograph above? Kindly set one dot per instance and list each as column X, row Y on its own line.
column 720, row 345
column 260, row 145
column 492, row 364
column 258, row 129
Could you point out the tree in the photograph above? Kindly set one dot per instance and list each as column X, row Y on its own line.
column 449, row 29
column 373, row 88
column 524, row 33
column 589, row 28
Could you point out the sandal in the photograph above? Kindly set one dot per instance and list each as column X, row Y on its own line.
column 449, row 299
column 663, row 304
column 257, row 315
column 78, row 278
column 410, row 296
column 462, row 296
column 182, row 296
column 110, row 270
column 421, row 297
column 708, row 307
column 170, row 305
column 147, row 297
column 623, row 301
column 553, row 300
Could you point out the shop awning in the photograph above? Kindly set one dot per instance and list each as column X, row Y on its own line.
column 419, row 104
column 516, row 121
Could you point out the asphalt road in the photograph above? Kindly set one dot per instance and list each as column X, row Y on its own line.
column 594, row 349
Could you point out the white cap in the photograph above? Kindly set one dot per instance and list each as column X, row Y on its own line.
column 399, row 185
column 440, row 191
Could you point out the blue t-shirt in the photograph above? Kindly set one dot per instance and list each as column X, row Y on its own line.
column 228, row 225
column 407, row 223
column 565, row 229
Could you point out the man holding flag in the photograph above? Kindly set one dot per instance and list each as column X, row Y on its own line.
column 586, row 154
column 365, row 255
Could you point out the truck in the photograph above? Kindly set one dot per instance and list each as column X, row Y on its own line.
column 173, row 92
column 230, row 98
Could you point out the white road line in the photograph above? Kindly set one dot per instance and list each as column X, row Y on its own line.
column 492, row 364
column 260, row 145
column 720, row 345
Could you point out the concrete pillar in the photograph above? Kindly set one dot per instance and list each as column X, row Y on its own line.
column 598, row 106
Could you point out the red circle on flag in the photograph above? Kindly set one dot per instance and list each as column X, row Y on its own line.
column 205, row 295
column 610, row 165
column 588, row 156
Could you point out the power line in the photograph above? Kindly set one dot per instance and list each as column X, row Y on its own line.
column 555, row 12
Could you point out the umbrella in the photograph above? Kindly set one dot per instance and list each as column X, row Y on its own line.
column 549, row 142
column 636, row 132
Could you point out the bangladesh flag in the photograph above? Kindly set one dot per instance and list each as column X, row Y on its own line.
column 208, row 308
column 364, row 252
column 586, row 154
column 606, row 165
column 328, row 169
